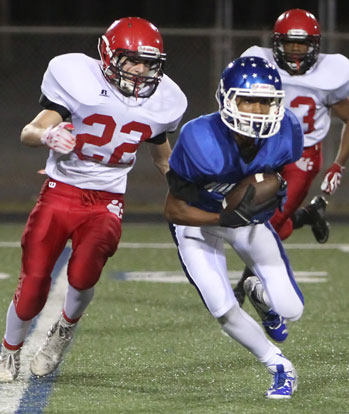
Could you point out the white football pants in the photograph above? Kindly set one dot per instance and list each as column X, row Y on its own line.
column 201, row 251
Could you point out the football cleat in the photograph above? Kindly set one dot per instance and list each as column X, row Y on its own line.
column 319, row 226
column 50, row 355
column 239, row 292
column 9, row 364
column 274, row 324
column 285, row 383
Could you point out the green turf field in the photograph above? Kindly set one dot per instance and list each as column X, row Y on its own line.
column 148, row 347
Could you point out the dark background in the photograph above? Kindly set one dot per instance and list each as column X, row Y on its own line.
column 200, row 38
column 248, row 14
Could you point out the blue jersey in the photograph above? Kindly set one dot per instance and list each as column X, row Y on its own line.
column 207, row 154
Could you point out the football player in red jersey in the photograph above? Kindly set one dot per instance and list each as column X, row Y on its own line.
column 93, row 134
column 315, row 84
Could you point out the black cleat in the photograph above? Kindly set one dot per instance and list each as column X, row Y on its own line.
column 239, row 292
column 319, row 226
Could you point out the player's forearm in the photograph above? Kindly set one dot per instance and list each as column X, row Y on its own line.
column 162, row 166
column 31, row 135
column 179, row 212
column 160, row 155
column 343, row 150
column 33, row 132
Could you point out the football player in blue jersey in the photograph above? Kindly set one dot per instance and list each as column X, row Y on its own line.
column 251, row 133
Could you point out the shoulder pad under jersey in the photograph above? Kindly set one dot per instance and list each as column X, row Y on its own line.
column 263, row 52
column 72, row 79
column 330, row 72
column 167, row 105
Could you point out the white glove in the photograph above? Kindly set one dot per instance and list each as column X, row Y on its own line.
column 59, row 138
column 332, row 178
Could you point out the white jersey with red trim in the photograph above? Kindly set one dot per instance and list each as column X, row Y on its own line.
column 109, row 127
column 311, row 95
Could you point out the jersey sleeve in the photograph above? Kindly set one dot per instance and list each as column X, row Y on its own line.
column 168, row 104
column 338, row 94
column 184, row 159
column 339, row 64
column 182, row 188
column 53, row 89
column 262, row 52
column 293, row 136
column 252, row 51
column 52, row 106
column 158, row 139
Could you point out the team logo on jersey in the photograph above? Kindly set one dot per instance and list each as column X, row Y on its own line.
column 104, row 92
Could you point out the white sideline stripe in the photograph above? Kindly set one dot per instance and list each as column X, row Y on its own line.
column 11, row 393
column 290, row 246
column 234, row 276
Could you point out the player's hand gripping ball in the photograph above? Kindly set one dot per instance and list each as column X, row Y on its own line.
column 253, row 200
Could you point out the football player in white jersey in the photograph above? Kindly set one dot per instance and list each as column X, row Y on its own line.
column 96, row 114
column 315, row 85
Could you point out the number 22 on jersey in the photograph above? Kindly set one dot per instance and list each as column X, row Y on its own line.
column 114, row 155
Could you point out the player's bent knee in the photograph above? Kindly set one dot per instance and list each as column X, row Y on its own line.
column 296, row 314
column 292, row 313
column 30, row 296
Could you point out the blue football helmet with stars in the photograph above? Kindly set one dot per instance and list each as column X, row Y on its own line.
column 251, row 77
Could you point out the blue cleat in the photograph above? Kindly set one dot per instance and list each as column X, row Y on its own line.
column 274, row 324
column 284, row 383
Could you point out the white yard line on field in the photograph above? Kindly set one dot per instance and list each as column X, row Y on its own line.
column 234, row 276
column 344, row 247
column 13, row 394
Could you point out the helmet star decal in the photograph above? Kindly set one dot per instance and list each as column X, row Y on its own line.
column 252, row 77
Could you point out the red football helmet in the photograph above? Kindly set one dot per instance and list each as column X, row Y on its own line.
column 296, row 26
column 135, row 40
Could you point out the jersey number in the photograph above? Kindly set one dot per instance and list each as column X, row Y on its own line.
column 107, row 135
column 309, row 117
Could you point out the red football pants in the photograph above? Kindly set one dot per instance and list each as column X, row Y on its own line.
column 91, row 219
column 299, row 177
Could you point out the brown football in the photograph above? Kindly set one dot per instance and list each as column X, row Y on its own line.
column 266, row 185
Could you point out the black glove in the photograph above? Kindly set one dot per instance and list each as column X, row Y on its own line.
column 247, row 212
column 282, row 194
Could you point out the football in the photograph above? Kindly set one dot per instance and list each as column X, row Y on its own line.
column 265, row 184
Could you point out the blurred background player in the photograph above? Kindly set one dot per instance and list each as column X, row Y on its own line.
column 250, row 134
column 128, row 101
column 315, row 85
